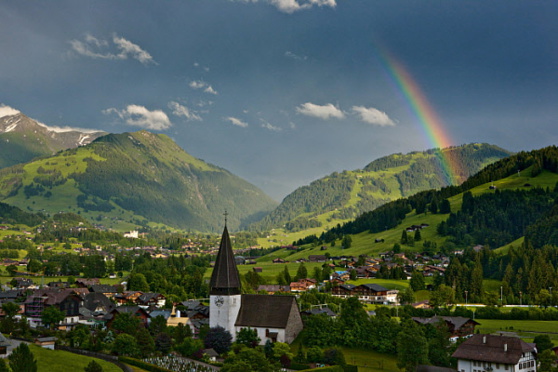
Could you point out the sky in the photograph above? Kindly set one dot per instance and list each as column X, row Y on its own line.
column 283, row 92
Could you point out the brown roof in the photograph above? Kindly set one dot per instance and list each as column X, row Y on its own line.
column 265, row 311
column 225, row 279
column 490, row 348
column 456, row 321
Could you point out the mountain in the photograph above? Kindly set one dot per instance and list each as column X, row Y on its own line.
column 23, row 139
column 342, row 196
column 132, row 179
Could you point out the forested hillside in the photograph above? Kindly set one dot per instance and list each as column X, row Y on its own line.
column 495, row 219
column 348, row 194
column 140, row 177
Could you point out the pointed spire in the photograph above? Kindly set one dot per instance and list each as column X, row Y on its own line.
column 225, row 279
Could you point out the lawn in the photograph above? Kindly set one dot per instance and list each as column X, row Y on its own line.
column 62, row 361
column 370, row 361
column 526, row 329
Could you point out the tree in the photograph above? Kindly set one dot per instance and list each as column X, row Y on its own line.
column 282, row 353
column 163, row 342
column 52, row 316
column 22, row 359
column 334, row 356
column 407, row 296
column 445, row 206
column 34, row 265
column 302, row 272
column 219, row 339
column 543, row 343
column 412, row 346
column 124, row 344
column 137, row 282
column 12, row 270
column 443, row 296
column 417, row 281
column 158, row 325
column 248, row 360
column 248, row 337
column 145, row 342
column 126, row 323
column 3, row 365
column 347, row 242
column 418, row 237
column 93, row 366
column 404, row 237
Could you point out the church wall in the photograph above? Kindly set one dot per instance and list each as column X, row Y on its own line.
column 294, row 324
column 224, row 315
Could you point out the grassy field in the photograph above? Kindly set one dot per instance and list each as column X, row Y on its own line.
column 526, row 329
column 370, row 361
column 63, row 361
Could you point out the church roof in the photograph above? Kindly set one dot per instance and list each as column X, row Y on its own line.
column 265, row 311
column 225, row 279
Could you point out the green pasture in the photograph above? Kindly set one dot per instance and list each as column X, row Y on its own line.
column 526, row 329
column 62, row 361
column 370, row 361
column 400, row 285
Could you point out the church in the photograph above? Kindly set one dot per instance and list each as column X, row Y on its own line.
column 275, row 318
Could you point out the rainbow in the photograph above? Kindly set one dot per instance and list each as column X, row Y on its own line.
column 431, row 124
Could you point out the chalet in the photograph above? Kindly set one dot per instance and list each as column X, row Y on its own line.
column 97, row 303
column 317, row 258
column 46, row 342
column 458, row 326
column 151, row 299
column 279, row 260
column 320, row 310
column 136, row 310
column 372, row 293
column 303, row 285
column 108, row 290
column 495, row 353
column 86, row 283
column 273, row 288
column 65, row 300
column 127, row 297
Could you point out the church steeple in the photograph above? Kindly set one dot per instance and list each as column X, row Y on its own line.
column 225, row 279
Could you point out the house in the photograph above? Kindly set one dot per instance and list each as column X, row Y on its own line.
column 46, row 342
column 458, row 326
column 317, row 258
column 65, row 300
column 279, row 260
column 273, row 288
column 108, row 290
column 495, row 353
column 127, row 297
column 151, row 299
column 136, row 310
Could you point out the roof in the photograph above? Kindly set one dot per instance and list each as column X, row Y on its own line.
column 263, row 311
column 225, row 279
column 103, row 288
column 374, row 287
column 495, row 349
column 457, row 321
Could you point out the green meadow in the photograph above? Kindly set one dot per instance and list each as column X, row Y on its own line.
column 63, row 361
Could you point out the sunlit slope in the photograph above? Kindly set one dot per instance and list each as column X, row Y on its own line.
column 138, row 178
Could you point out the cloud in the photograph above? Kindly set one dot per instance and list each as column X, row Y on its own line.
column 200, row 84
column 291, row 6
column 290, row 54
column 237, row 122
column 139, row 116
column 181, row 110
column 270, row 127
column 373, row 116
column 7, row 111
column 323, row 112
column 117, row 49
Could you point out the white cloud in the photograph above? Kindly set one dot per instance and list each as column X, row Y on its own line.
column 290, row 54
column 119, row 49
column 7, row 111
column 237, row 122
column 181, row 110
column 200, row 84
column 140, row 116
column 291, row 6
column 374, row 116
column 323, row 112
column 270, row 126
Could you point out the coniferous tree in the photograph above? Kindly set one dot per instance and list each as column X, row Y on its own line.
column 22, row 359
